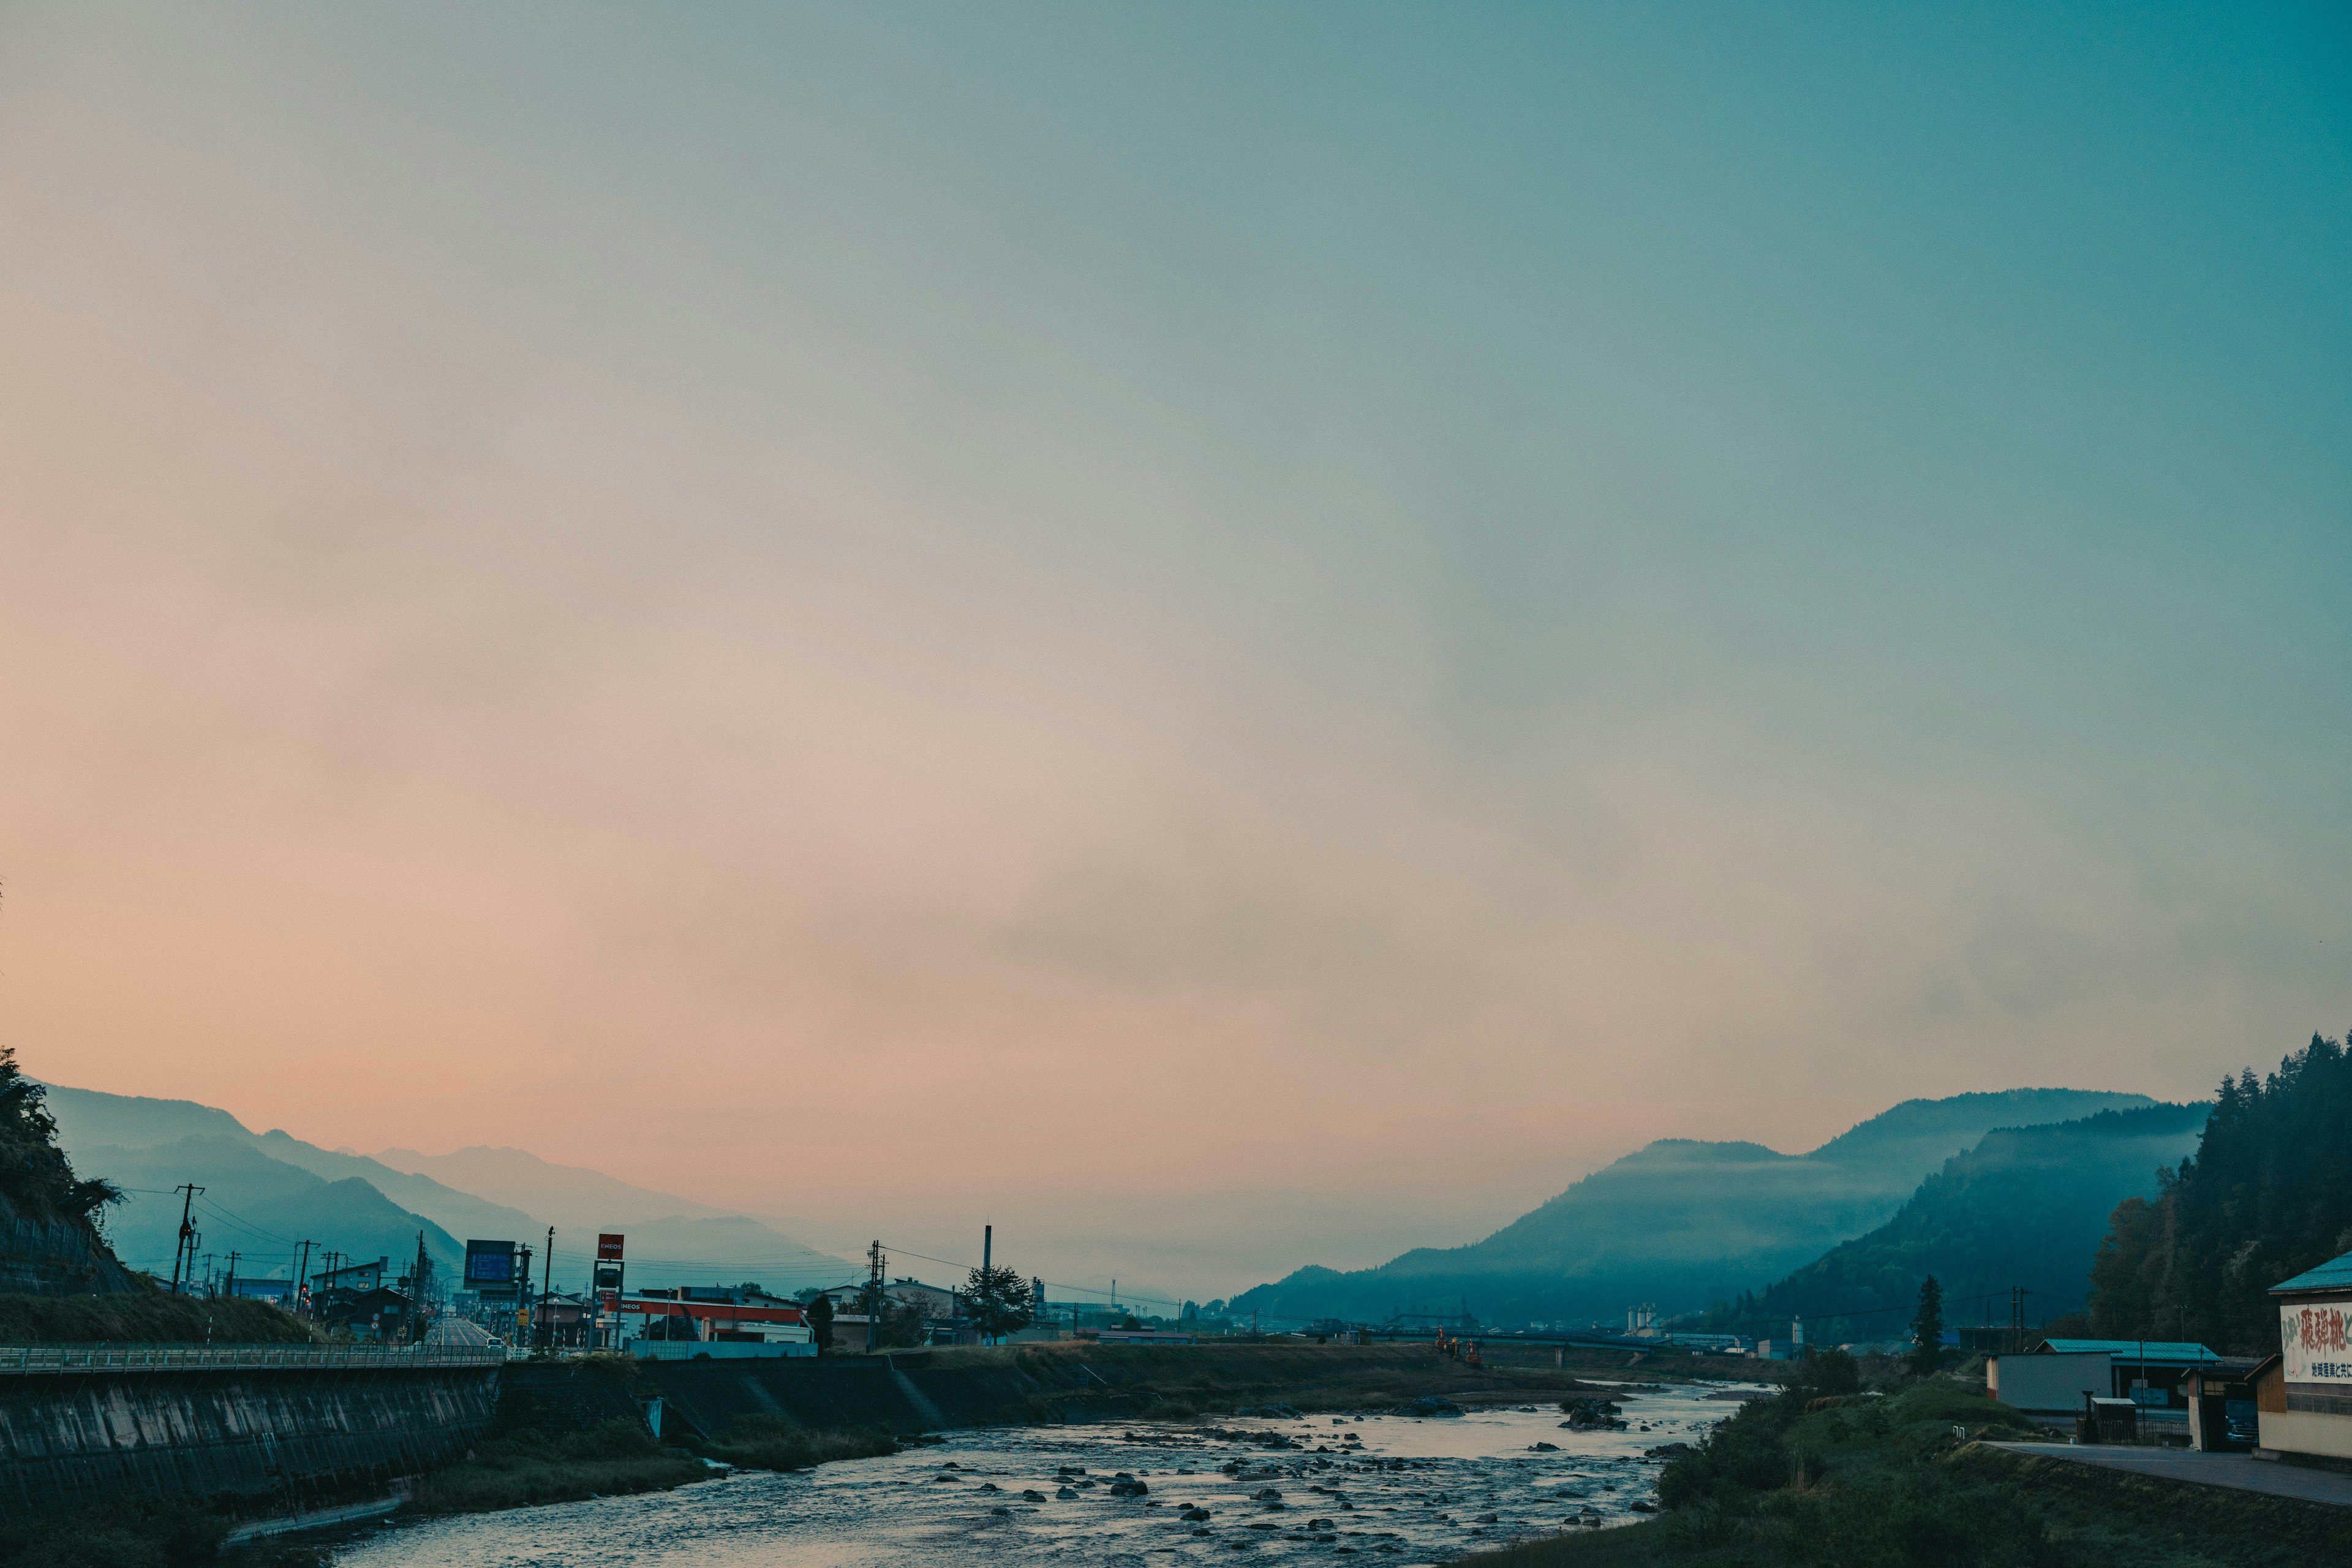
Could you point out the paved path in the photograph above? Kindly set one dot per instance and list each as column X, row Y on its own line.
column 2242, row 1471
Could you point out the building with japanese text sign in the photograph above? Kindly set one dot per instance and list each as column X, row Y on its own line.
column 2305, row 1396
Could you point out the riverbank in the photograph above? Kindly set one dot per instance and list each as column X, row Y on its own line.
column 1859, row 1480
column 1391, row 1488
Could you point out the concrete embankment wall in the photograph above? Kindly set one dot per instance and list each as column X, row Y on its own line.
column 921, row 1392
column 247, row 1438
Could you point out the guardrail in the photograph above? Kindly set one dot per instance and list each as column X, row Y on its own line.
column 26, row 1359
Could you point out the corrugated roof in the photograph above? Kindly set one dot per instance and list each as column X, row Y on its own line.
column 2335, row 1274
column 2153, row 1350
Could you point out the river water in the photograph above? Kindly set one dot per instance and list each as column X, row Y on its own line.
column 1396, row 1489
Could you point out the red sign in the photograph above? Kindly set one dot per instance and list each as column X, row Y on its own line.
column 610, row 1300
column 608, row 1248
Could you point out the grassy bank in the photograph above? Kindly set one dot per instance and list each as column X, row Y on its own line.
column 764, row 1443
column 1178, row 1381
column 1813, row 1478
column 148, row 1316
column 526, row 1468
column 124, row 1535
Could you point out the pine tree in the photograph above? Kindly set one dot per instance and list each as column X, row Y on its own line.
column 1927, row 1327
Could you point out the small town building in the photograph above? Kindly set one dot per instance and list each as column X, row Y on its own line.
column 380, row 1314
column 2051, row 1381
column 672, row 1325
column 2302, row 1396
column 943, row 1322
column 2222, row 1405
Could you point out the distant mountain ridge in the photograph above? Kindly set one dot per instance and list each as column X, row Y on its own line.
column 2027, row 1206
column 251, row 1195
column 1681, row 1222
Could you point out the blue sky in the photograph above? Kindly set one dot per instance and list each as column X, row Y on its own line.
column 1360, row 606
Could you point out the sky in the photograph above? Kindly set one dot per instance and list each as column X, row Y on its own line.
column 1227, row 635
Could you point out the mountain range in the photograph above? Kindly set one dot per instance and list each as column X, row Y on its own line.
column 266, row 1193
column 2026, row 1207
column 1680, row 1223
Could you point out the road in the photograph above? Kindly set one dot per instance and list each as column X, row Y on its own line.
column 2242, row 1472
column 458, row 1331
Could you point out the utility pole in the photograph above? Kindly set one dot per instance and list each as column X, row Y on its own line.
column 302, row 1280
column 232, row 1272
column 546, row 1290
column 417, row 1292
column 188, row 1192
column 873, row 1295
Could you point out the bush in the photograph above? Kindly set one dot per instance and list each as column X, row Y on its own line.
column 767, row 1443
column 535, row 1467
column 120, row 1535
column 146, row 1316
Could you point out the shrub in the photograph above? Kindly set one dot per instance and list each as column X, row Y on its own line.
column 767, row 1443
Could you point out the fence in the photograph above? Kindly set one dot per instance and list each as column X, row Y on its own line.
column 27, row 1359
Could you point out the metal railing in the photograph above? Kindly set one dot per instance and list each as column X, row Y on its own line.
column 222, row 1358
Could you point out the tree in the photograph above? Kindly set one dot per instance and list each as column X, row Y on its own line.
column 1927, row 1327
column 35, row 1174
column 2267, row 1194
column 820, row 1317
column 997, row 1301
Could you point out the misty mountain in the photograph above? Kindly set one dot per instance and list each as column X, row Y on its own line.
column 668, row 1237
column 1679, row 1223
column 2026, row 1207
column 672, row 1240
column 257, row 1206
column 89, row 1118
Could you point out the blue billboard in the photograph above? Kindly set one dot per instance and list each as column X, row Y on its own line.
column 490, row 1263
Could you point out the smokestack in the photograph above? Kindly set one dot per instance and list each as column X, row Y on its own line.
column 987, row 1244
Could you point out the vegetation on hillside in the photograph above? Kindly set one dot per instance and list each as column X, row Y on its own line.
column 2267, row 1194
column 37, row 1180
column 147, row 1316
column 2027, row 1206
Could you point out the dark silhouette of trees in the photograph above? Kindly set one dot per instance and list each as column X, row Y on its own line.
column 36, row 1177
column 997, row 1300
column 1927, row 1327
column 2267, row 1194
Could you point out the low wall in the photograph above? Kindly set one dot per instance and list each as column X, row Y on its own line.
column 916, row 1391
column 250, row 1436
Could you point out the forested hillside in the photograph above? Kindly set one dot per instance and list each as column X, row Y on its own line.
column 2267, row 1194
column 2027, row 1206
column 49, row 1240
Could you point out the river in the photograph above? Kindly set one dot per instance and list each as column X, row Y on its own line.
column 1398, row 1490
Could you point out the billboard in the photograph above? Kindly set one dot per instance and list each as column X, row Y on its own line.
column 490, row 1263
column 608, row 1247
column 2311, row 1342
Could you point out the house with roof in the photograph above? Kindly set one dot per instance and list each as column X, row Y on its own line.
column 2051, row 1381
column 2302, row 1395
